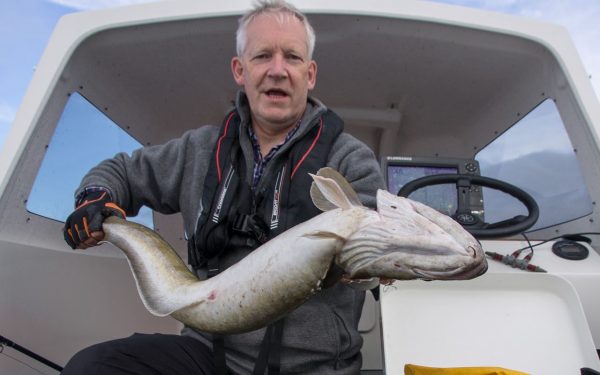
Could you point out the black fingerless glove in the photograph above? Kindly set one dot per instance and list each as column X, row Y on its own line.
column 88, row 217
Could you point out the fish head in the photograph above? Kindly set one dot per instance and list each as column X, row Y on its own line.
column 411, row 241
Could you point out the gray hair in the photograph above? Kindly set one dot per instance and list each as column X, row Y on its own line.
column 278, row 8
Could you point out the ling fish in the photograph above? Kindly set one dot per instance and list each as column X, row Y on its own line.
column 400, row 240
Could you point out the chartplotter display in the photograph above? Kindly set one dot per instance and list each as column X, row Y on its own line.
column 400, row 170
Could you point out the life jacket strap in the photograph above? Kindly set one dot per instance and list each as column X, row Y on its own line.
column 219, row 354
column 252, row 225
column 269, row 356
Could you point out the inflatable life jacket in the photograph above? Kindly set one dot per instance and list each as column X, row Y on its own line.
column 235, row 216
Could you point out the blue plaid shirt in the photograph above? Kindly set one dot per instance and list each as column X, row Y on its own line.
column 260, row 162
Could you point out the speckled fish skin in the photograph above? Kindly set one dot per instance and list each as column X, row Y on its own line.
column 268, row 283
column 401, row 240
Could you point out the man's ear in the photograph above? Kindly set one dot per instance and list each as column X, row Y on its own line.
column 312, row 74
column 238, row 70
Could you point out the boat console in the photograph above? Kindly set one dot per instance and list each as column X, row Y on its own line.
column 400, row 170
column 479, row 323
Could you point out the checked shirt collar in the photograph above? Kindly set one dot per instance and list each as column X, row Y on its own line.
column 260, row 162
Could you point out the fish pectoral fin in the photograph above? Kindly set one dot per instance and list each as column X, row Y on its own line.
column 330, row 190
column 319, row 199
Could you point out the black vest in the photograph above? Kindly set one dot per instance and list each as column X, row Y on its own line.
column 233, row 215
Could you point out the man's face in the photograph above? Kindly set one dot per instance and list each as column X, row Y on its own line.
column 275, row 71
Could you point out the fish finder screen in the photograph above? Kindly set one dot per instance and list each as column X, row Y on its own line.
column 441, row 197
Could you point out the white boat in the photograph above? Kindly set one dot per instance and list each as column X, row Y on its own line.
column 431, row 88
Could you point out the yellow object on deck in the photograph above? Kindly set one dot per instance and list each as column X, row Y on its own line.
column 422, row 370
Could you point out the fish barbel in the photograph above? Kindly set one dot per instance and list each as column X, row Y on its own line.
column 401, row 240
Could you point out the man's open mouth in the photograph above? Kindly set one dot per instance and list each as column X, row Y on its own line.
column 276, row 93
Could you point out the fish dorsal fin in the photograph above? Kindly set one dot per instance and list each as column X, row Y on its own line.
column 330, row 190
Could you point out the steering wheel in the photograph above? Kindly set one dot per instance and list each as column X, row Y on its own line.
column 470, row 222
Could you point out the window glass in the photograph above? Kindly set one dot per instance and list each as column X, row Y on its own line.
column 535, row 155
column 84, row 136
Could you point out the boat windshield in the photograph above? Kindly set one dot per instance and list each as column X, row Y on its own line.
column 537, row 156
column 64, row 166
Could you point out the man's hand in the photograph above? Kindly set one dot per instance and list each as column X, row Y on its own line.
column 83, row 227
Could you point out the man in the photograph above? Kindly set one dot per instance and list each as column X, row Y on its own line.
column 238, row 186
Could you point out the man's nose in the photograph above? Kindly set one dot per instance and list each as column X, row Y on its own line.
column 278, row 69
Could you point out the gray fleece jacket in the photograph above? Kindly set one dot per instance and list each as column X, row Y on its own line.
column 321, row 336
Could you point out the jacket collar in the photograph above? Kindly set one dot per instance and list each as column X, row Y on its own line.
column 314, row 109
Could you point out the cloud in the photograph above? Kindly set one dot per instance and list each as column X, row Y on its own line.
column 7, row 113
column 579, row 17
column 97, row 4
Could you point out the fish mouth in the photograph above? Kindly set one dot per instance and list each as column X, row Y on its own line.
column 369, row 265
column 462, row 273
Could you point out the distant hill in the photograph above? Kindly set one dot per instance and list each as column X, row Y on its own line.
column 552, row 178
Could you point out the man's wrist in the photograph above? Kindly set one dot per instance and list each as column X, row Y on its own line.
column 89, row 190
